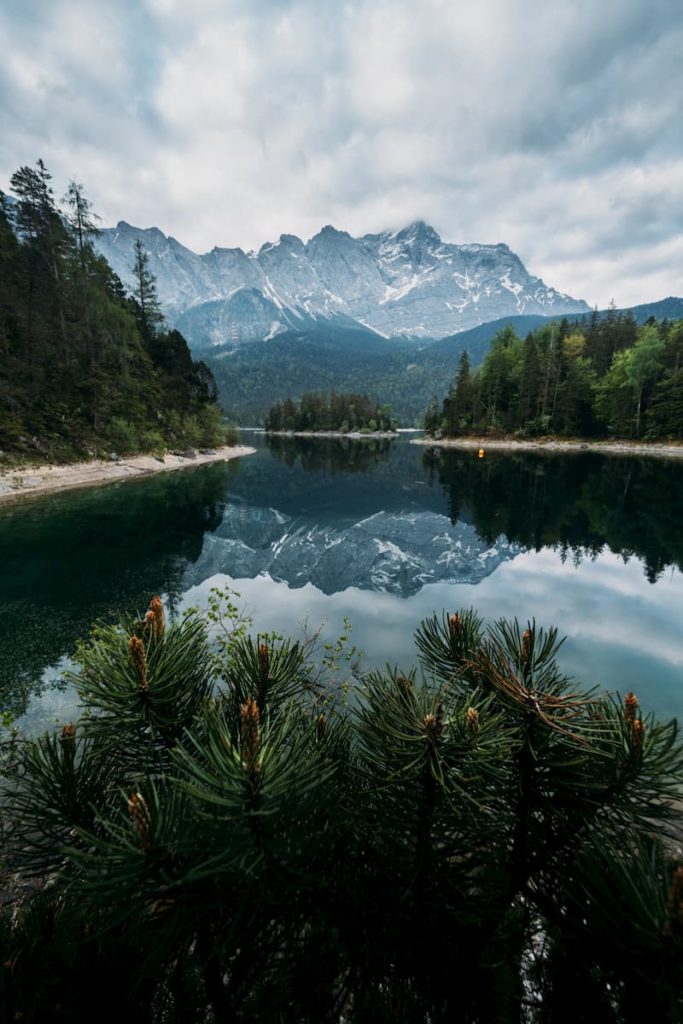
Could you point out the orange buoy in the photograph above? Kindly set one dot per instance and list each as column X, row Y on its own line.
column 481, row 453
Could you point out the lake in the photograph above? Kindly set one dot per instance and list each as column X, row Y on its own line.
column 312, row 531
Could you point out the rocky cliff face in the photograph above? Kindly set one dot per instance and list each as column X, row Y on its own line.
column 407, row 282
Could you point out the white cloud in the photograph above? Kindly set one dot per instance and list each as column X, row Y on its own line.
column 553, row 127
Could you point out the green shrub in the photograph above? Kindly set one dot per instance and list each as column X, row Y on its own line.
column 122, row 435
column 232, row 435
column 11, row 427
column 192, row 433
column 172, row 425
column 211, row 426
column 152, row 441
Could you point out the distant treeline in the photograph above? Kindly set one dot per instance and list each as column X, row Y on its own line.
column 608, row 376
column 83, row 365
column 343, row 412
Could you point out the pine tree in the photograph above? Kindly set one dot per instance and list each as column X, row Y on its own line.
column 460, row 405
column 82, row 219
column 530, row 383
column 36, row 202
column 40, row 223
column 148, row 307
column 262, row 850
column 643, row 366
column 432, row 417
column 497, row 379
column 573, row 405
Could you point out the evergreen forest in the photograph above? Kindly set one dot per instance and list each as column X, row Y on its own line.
column 607, row 376
column 237, row 830
column 84, row 367
column 339, row 412
column 406, row 372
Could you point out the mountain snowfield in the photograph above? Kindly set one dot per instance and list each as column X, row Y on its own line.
column 407, row 282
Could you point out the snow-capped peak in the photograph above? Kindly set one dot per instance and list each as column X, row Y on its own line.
column 403, row 282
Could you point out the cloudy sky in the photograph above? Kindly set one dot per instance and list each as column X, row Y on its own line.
column 553, row 125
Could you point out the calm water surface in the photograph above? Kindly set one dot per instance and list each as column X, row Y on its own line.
column 311, row 531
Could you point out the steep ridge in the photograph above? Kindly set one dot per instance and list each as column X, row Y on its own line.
column 407, row 282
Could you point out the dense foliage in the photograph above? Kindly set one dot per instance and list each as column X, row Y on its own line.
column 83, row 366
column 226, row 836
column 607, row 376
column 343, row 412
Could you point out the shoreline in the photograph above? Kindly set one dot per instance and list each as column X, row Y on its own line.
column 651, row 448
column 355, row 435
column 35, row 481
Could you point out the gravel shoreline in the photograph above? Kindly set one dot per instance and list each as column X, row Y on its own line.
column 33, row 481
column 355, row 435
column 666, row 451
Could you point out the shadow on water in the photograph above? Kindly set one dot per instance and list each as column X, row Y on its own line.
column 577, row 504
column 71, row 559
column 330, row 478
column 331, row 455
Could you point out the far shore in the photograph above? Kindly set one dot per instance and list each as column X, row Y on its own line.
column 33, row 481
column 672, row 450
column 355, row 435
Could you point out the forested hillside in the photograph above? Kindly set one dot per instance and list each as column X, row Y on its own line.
column 606, row 376
column 402, row 372
column 84, row 366
column 253, row 377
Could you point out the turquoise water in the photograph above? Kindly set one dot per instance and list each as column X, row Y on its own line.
column 310, row 532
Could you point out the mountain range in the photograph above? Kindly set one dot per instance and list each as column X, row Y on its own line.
column 388, row 314
column 407, row 283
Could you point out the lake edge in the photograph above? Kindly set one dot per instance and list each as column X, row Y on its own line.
column 626, row 448
column 50, row 479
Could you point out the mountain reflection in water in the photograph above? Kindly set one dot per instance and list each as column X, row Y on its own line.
column 383, row 531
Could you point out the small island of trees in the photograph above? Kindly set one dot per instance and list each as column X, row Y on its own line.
column 607, row 377
column 344, row 413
